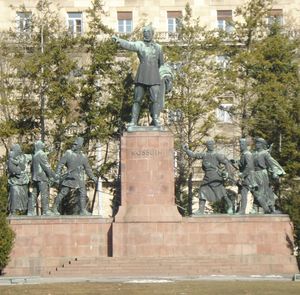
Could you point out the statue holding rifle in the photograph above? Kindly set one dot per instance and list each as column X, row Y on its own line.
column 77, row 165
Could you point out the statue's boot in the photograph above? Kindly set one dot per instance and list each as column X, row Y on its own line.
column 135, row 114
column 57, row 201
column 83, row 210
column 45, row 208
column 32, row 205
column 155, row 114
column 242, row 209
column 229, row 205
column 274, row 210
column 264, row 205
column 201, row 209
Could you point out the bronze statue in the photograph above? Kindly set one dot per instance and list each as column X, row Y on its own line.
column 264, row 166
column 18, row 180
column 41, row 175
column 147, row 78
column 246, row 177
column 212, row 188
column 77, row 164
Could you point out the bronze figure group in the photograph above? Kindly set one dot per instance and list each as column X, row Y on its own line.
column 21, row 200
column 255, row 171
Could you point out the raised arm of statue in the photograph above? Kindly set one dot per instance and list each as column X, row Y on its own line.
column 190, row 153
column 131, row 46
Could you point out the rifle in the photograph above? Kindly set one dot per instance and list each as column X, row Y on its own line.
column 94, row 196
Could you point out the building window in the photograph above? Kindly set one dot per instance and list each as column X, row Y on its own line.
column 124, row 22
column 223, row 113
column 224, row 18
column 275, row 16
column 174, row 20
column 24, row 22
column 222, row 61
column 75, row 23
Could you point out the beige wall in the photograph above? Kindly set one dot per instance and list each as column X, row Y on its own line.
column 154, row 11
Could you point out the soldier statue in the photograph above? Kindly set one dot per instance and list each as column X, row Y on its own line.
column 265, row 165
column 246, row 177
column 77, row 164
column 212, row 188
column 41, row 175
column 18, row 180
column 147, row 78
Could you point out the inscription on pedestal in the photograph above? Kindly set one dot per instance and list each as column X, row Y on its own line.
column 150, row 153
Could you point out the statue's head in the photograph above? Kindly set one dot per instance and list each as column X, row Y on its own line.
column 243, row 144
column 260, row 143
column 78, row 143
column 39, row 145
column 148, row 33
column 16, row 150
column 210, row 145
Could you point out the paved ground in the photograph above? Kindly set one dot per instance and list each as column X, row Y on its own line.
column 4, row 281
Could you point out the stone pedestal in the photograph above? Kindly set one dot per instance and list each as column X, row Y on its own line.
column 147, row 177
column 45, row 242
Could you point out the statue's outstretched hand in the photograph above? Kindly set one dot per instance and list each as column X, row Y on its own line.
column 185, row 147
column 115, row 39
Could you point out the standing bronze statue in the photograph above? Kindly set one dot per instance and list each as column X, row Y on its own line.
column 18, row 180
column 147, row 78
column 77, row 164
column 41, row 174
column 212, row 188
column 264, row 166
column 246, row 177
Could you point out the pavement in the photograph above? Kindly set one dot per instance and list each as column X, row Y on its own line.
column 30, row 280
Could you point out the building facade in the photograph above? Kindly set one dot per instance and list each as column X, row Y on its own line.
column 123, row 16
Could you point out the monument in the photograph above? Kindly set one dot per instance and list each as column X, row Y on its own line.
column 148, row 229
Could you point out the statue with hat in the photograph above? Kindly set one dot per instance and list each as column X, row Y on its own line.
column 148, row 76
column 74, row 179
column 265, row 165
column 212, row 188
column 41, row 176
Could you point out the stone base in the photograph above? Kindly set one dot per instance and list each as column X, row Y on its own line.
column 211, row 235
column 212, row 244
column 43, row 241
column 148, row 213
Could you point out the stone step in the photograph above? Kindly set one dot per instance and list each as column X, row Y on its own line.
column 173, row 266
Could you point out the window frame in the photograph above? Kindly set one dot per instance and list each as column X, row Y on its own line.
column 124, row 22
column 223, row 20
column 222, row 113
column 173, row 20
column 275, row 15
column 24, row 18
column 73, row 29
